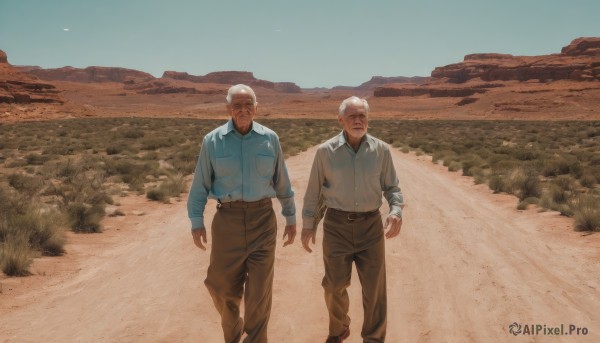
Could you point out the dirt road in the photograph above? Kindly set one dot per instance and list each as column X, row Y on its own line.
column 466, row 265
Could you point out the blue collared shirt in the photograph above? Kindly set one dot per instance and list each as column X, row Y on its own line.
column 234, row 167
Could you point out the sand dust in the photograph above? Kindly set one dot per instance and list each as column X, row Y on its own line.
column 465, row 266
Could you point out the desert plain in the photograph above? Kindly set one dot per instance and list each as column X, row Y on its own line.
column 467, row 264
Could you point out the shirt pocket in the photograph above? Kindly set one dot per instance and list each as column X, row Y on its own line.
column 226, row 166
column 265, row 165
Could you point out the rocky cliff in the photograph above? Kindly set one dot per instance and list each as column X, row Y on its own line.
column 578, row 61
column 377, row 81
column 89, row 74
column 233, row 77
column 20, row 88
column 478, row 73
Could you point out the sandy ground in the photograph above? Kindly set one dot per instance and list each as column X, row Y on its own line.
column 466, row 265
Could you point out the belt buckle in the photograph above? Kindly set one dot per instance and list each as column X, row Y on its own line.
column 352, row 217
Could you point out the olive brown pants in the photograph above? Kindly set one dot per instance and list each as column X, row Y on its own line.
column 241, row 262
column 360, row 240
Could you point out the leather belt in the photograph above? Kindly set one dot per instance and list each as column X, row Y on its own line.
column 352, row 216
column 244, row 204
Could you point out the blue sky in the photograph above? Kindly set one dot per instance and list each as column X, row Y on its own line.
column 312, row 43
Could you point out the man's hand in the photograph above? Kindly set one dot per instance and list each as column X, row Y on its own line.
column 306, row 236
column 199, row 237
column 290, row 232
column 394, row 223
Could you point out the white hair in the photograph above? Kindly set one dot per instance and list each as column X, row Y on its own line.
column 353, row 99
column 240, row 88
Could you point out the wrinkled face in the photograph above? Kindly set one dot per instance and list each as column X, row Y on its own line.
column 355, row 120
column 242, row 109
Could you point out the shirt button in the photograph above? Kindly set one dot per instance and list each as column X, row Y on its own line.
column 356, row 204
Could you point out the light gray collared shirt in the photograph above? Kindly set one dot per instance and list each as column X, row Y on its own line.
column 352, row 181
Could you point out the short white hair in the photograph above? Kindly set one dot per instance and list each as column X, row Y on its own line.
column 353, row 99
column 240, row 88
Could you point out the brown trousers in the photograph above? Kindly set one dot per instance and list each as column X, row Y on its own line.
column 241, row 262
column 360, row 241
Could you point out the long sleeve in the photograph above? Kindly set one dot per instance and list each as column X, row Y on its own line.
column 313, row 191
column 389, row 185
column 200, row 187
column 283, row 188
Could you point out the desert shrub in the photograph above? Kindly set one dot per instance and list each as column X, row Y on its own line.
column 525, row 154
column 439, row 156
column 470, row 162
column 557, row 166
column 183, row 166
column 85, row 218
column 479, row 175
column 42, row 230
column 588, row 180
column 448, row 159
column 566, row 210
column 29, row 185
column 558, row 194
column 156, row 143
column 522, row 205
column 587, row 214
column 36, row 159
column 173, row 186
column 454, row 166
column 132, row 133
column 531, row 187
column 131, row 171
column 547, row 202
column 117, row 213
column 83, row 197
column 151, row 156
column 16, row 163
column 565, row 182
column 15, row 256
column 114, row 150
column 24, row 227
column 157, row 194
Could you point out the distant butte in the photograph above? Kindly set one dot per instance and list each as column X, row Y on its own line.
column 578, row 61
column 561, row 86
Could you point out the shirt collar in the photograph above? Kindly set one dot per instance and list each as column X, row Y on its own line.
column 341, row 140
column 229, row 127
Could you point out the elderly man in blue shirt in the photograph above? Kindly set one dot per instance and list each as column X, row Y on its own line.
column 350, row 172
column 241, row 165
